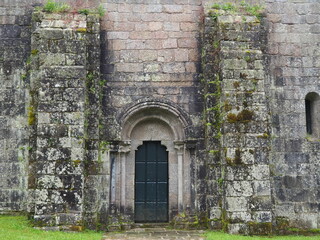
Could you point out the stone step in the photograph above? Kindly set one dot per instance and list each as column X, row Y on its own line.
column 156, row 233
column 151, row 225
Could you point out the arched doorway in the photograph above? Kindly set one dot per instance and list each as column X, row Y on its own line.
column 151, row 183
column 162, row 127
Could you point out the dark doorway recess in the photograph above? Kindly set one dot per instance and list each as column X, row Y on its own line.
column 151, row 183
column 312, row 103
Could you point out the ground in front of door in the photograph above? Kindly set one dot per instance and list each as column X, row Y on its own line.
column 155, row 234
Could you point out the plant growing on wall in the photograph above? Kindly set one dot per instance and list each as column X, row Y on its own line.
column 218, row 9
column 75, row 6
column 53, row 7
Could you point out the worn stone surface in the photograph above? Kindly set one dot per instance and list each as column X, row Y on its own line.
column 237, row 124
column 293, row 73
column 64, row 98
column 151, row 51
column 155, row 233
column 15, row 21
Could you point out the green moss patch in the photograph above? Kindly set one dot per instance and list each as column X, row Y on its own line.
column 224, row 236
column 243, row 117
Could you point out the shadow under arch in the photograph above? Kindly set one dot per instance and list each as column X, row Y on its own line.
column 157, row 109
column 312, row 96
column 153, row 123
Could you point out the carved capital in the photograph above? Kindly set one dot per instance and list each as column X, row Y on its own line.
column 179, row 146
column 125, row 146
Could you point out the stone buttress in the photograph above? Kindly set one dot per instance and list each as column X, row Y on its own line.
column 64, row 115
column 238, row 128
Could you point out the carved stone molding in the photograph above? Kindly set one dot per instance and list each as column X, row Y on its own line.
column 124, row 146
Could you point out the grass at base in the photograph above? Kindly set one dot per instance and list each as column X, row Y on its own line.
column 225, row 236
column 19, row 228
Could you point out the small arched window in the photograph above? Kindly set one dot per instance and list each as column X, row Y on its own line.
column 312, row 102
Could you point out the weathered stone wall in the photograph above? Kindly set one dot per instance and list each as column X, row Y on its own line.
column 151, row 53
column 151, row 50
column 293, row 47
column 238, row 126
column 15, row 21
column 64, row 113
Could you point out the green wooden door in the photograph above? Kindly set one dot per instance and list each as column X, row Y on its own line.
column 151, row 183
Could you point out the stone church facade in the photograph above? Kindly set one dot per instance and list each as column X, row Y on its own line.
column 162, row 111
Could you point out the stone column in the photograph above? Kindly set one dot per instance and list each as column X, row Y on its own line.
column 119, row 185
column 113, row 160
column 124, row 149
column 190, row 148
column 179, row 147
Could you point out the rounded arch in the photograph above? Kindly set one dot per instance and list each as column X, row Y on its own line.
column 152, row 123
column 160, row 119
column 312, row 96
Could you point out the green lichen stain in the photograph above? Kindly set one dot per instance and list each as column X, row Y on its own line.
column 243, row 117
column 236, row 160
column 264, row 135
column 34, row 52
column 256, row 228
column 224, row 220
column 243, row 75
column 236, row 84
column 23, row 76
column 248, row 59
column 282, row 227
column 81, row 30
column 227, row 106
column 76, row 228
column 31, row 116
column 76, row 163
